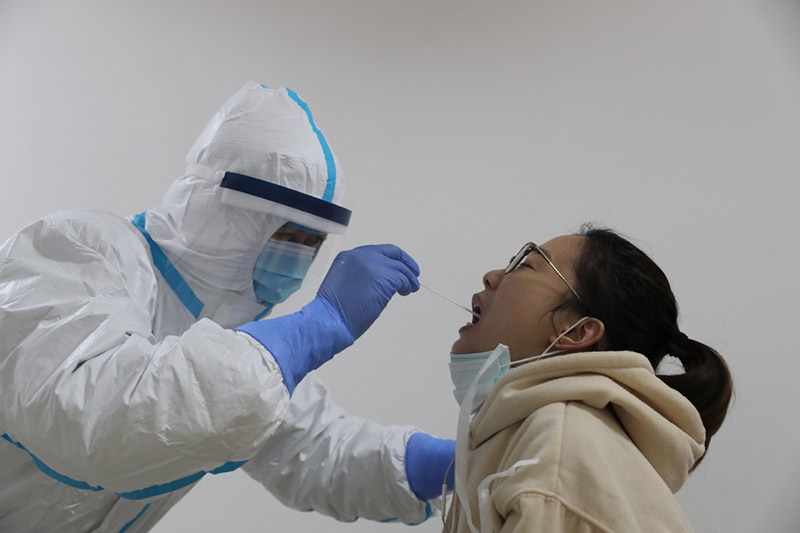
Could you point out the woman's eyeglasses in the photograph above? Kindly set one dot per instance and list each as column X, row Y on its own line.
column 530, row 248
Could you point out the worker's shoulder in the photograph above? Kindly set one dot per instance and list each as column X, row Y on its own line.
column 84, row 217
column 80, row 236
column 87, row 226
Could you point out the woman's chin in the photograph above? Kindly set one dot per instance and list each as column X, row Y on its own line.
column 461, row 345
column 469, row 341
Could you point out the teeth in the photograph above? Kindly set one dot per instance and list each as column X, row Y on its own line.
column 476, row 309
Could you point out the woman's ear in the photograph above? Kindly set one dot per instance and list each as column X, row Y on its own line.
column 583, row 336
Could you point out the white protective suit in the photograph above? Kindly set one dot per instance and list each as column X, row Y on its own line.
column 121, row 382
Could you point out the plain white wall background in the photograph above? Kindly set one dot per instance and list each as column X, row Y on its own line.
column 464, row 129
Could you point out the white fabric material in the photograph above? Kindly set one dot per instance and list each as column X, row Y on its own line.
column 302, row 452
column 91, row 388
column 106, row 378
column 248, row 135
column 258, row 132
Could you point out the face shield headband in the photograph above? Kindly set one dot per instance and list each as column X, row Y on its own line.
column 266, row 197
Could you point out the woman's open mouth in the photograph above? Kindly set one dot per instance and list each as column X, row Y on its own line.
column 476, row 313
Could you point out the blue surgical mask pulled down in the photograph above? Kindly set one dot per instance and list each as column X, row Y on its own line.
column 280, row 269
column 464, row 371
column 467, row 370
column 493, row 365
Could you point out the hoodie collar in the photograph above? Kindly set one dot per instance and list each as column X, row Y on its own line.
column 661, row 422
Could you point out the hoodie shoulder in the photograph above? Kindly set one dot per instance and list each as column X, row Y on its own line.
column 587, row 463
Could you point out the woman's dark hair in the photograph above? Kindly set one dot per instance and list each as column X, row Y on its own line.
column 630, row 294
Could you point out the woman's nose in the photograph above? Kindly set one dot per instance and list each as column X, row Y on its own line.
column 492, row 278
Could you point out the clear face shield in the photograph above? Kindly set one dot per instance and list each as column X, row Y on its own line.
column 284, row 263
column 298, row 254
column 265, row 159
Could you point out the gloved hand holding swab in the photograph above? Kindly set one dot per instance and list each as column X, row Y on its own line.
column 437, row 293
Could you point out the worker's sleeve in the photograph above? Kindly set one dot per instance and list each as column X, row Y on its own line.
column 87, row 391
column 326, row 460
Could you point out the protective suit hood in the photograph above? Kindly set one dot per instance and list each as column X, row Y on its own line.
column 260, row 162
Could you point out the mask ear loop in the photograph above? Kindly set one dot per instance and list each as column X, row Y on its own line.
column 484, row 508
column 444, row 494
column 462, row 436
column 462, row 432
column 547, row 352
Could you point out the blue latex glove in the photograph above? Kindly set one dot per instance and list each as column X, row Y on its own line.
column 354, row 292
column 427, row 461
column 361, row 282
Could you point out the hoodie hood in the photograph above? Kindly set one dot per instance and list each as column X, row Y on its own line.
column 211, row 232
column 660, row 421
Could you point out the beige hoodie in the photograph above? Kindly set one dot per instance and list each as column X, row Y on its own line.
column 607, row 445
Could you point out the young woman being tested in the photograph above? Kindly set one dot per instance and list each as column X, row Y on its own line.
column 572, row 417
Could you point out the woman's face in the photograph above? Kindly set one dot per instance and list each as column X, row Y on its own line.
column 515, row 307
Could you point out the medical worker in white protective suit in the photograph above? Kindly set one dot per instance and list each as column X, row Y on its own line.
column 132, row 364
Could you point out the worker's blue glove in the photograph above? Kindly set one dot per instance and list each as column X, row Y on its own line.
column 361, row 282
column 355, row 290
column 427, row 461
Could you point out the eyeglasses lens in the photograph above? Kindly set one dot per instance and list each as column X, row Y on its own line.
column 519, row 258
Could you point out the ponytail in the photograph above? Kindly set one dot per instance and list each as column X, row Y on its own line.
column 620, row 285
column 706, row 382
